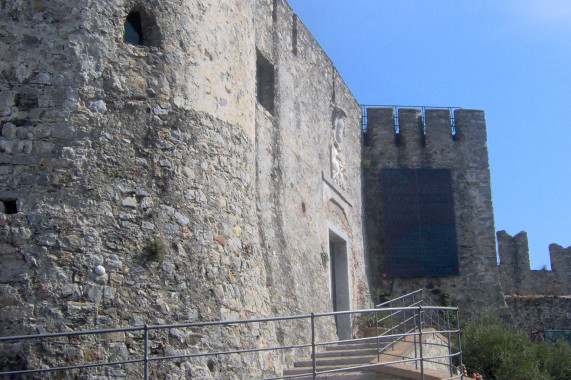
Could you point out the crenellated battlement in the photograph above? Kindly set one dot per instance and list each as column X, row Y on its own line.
column 421, row 126
column 426, row 137
column 518, row 278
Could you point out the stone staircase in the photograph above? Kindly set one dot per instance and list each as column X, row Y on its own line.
column 341, row 355
column 362, row 353
column 396, row 359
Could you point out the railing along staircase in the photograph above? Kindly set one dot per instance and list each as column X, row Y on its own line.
column 411, row 335
column 399, row 325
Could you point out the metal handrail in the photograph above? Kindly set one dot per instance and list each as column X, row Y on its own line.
column 393, row 300
column 430, row 317
column 422, row 301
column 155, row 327
column 146, row 359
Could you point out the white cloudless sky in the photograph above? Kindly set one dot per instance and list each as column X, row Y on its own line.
column 511, row 58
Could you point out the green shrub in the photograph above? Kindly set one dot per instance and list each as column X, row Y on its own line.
column 155, row 250
column 555, row 359
column 492, row 349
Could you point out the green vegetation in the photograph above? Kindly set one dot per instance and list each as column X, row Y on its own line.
column 325, row 260
column 155, row 250
column 495, row 351
column 370, row 319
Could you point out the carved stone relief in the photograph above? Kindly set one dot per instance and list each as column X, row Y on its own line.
column 338, row 169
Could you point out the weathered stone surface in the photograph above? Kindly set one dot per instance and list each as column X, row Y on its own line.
column 108, row 147
column 538, row 312
column 465, row 155
column 204, row 193
column 517, row 276
column 537, row 299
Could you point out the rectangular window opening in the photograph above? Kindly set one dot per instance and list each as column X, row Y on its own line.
column 265, row 82
column 294, row 35
column 275, row 11
column 8, row 206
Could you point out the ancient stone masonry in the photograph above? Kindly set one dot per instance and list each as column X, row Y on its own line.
column 180, row 161
column 537, row 298
column 536, row 313
column 518, row 278
column 145, row 177
column 430, row 144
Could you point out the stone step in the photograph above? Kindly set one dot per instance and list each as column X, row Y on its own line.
column 359, row 352
column 352, row 375
column 309, row 369
column 363, row 340
column 336, row 361
column 341, row 356
column 352, row 346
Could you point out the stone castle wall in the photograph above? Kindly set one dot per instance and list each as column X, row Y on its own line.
column 211, row 172
column 518, row 278
column 296, row 194
column 533, row 313
column 156, row 165
column 537, row 299
column 436, row 147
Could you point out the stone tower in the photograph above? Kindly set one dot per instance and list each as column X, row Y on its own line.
column 450, row 205
column 170, row 161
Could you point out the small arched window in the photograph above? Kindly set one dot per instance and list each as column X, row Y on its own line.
column 133, row 29
column 140, row 29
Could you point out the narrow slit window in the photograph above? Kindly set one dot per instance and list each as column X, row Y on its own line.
column 275, row 11
column 265, row 83
column 294, row 35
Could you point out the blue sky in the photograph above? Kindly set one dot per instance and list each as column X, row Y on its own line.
column 511, row 58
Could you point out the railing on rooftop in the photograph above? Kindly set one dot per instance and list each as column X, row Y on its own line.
column 423, row 109
column 411, row 320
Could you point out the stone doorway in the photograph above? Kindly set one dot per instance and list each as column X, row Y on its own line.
column 339, row 281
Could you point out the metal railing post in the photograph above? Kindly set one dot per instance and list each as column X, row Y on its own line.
column 146, row 352
column 449, row 344
column 404, row 315
column 392, row 313
column 459, row 343
column 314, row 362
column 420, row 342
column 414, row 337
column 377, row 333
column 392, row 324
